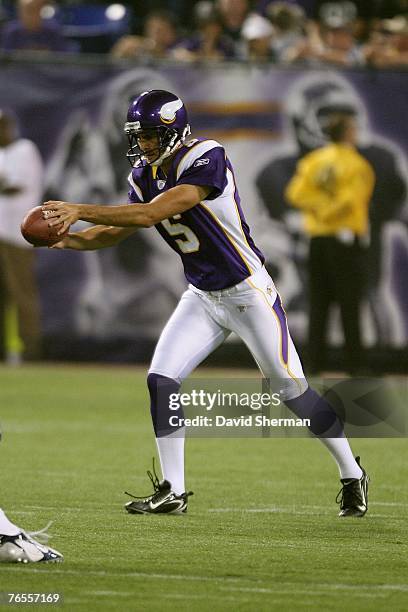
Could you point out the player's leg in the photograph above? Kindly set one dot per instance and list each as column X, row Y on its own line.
column 259, row 319
column 189, row 336
column 3, row 302
column 264, row 329
column 320, row 297
column 350, row 285
column 18, row 546
column 6, row 526
column 20, row 275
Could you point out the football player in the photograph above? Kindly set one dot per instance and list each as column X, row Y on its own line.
column 187, row 190
column 17, row 545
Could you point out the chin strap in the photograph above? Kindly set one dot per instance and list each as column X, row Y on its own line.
column 173, row 145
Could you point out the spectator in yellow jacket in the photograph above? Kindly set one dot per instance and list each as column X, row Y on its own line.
column 333, row 186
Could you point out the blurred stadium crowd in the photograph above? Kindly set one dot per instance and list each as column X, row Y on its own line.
column 303, row 32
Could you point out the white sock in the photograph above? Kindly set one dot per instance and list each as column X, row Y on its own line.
column 6, row 527
column 171, row 453
column 342, row 454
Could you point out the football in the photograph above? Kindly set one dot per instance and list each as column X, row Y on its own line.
column 36, row 230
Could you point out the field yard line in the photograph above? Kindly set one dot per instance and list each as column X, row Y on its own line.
column 221, row 510
column 301, row 510
column 75, row 508
column 387, row 587
column 104, row 593
column 392, row 504
column 268, row 508
column 387, row 516
column 312, row 591
column 342, row 587
column 289, row 508
column 17, row 428
column 134, row 575
column 46, row 507
column 168, row 596
column 272, row 510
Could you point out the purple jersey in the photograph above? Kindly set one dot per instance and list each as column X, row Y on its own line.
column 212, row 238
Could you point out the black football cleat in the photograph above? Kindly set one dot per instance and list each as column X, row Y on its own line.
column 353, row 495
column 162, row 501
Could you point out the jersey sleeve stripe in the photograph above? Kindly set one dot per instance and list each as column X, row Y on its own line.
column 229, row 173
column 196, row 151
column 136, row 188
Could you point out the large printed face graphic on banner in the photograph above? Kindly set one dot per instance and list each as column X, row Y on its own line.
column 131, row 289
column 313, row 99
column 310, row 101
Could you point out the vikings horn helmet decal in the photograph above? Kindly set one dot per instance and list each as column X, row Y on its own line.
column 168, row 111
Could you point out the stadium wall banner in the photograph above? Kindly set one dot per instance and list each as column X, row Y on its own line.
column 267, row 119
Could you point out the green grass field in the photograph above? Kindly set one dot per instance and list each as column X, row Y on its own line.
column 262, row 531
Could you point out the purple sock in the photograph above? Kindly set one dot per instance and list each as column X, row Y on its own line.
column 324, row 422
column 160, row 389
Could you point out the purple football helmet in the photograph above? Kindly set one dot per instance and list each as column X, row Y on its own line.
column 313, row 100
column 159, row 111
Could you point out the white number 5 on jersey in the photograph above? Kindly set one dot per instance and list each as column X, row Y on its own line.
column 189, row 243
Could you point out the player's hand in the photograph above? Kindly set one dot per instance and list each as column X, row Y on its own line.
column 62, row 244
column 56, row 212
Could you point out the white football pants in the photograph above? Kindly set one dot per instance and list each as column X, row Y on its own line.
column 204, row 319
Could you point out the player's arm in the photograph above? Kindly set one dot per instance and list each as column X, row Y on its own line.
column 93, row 238
column 303, row 191
column 354, row 195
column 172, row 202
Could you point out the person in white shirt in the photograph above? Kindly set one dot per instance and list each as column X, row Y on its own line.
column 21, row 187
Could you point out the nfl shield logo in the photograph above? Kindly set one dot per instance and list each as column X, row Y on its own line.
column 160, row 184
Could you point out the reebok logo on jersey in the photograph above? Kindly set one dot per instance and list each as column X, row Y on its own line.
column 201, row 162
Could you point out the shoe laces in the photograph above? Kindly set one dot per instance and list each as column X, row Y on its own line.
column 156, row 486
column 154, row 479
column 349, row 494
column 41, row 535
